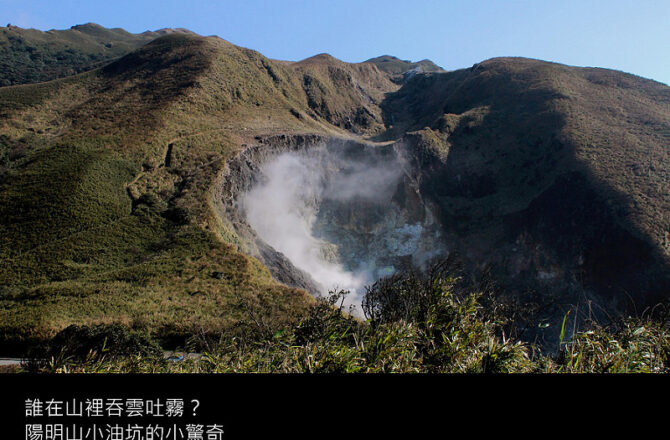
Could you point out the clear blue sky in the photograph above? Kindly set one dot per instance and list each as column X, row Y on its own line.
column 632, row 35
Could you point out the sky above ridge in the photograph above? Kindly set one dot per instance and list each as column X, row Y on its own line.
column 632, row 36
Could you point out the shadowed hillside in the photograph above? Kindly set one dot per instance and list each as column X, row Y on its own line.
column 30, row 55
column 554, row 175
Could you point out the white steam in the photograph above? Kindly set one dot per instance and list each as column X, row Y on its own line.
column 346, row 198
column 282, row 211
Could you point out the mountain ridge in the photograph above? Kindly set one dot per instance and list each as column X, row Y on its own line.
column 109, row 179
column 31, row 55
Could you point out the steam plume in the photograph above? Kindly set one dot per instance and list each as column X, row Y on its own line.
column 284, row 206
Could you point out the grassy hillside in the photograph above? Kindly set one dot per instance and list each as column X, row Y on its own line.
column 30, row 55
column 415, row 324
column 98, row 225
column 109, row 177
column 346, row 95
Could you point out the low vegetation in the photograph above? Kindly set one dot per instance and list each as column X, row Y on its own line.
column 415, row 323
column 30, row 55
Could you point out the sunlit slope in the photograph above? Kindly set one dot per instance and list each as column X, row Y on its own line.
column 105, row 191
column 346, row 95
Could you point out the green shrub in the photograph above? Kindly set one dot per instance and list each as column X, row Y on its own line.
column 86, row 344
column 417, row 322
column 634, row 346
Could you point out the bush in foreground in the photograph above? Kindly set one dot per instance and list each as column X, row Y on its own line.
column 415, row 323
column 91, row 345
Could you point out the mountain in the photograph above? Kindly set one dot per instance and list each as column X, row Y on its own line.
column 401, row 70
column 30, row 55
column 551, row 174
column 107, row 181
column 119, row 186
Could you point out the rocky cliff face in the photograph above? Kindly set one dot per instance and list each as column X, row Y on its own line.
column 361, row 205
column 377, row 208
column 239, row 176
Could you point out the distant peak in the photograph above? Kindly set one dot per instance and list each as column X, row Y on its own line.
column 322, row 58
column 403, row 69
column 168, row 31
column 386, row 58
column 79, row 27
